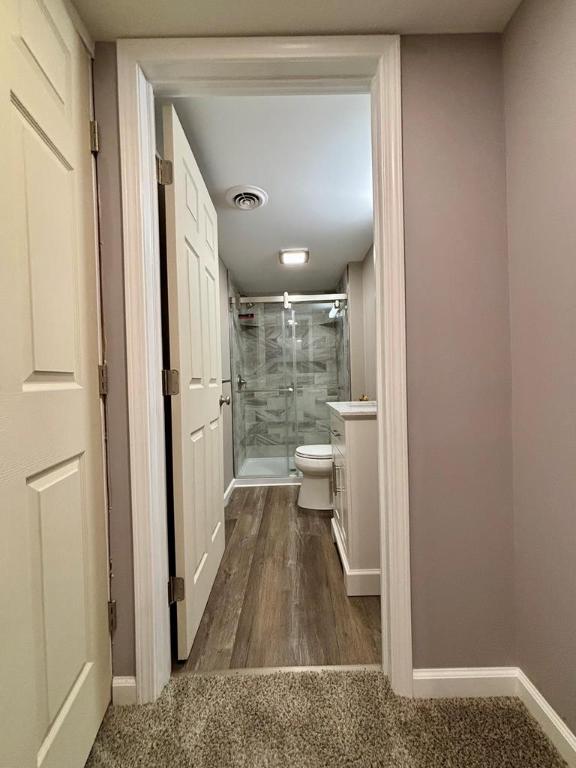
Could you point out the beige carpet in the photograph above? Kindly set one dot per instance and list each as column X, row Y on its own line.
column 313, row 720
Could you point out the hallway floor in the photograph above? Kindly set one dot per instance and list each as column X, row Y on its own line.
column 279, row 597
column 316, row 720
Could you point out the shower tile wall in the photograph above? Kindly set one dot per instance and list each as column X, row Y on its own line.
column 238, row 413
column 315, row 347
column 276, row 349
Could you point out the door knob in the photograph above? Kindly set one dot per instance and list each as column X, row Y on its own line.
column 224, row 400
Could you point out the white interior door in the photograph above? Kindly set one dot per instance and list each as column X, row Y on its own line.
column 194, row 322
column 54, row 643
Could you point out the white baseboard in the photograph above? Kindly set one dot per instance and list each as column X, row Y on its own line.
column 550, row 721
column 357, row 581
column 123, row 691
column 228, row 492
column 498, row 681
column 466, row 681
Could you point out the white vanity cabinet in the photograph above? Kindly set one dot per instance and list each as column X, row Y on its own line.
column 355, row 524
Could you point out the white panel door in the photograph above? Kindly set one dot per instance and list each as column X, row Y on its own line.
column 194, row 322
column 54, row 644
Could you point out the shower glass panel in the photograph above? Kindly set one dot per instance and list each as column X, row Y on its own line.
column 287, row 364
column 317, row 344
column 263, row 392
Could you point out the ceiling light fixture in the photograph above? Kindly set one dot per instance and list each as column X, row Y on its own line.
column 294, row 257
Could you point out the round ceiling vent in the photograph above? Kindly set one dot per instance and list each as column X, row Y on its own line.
column 246, row 198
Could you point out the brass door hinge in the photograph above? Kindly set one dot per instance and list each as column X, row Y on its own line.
column 170, row 382
column 176, row 591
column 94, row 137
column 103, row 379
column 112, row 616
column 164, row 171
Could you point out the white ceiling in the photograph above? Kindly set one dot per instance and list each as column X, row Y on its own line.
column 312, row 155
column 110, row 19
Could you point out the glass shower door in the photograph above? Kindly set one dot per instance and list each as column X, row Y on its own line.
column 318, row 340
column 286, row 365
column 263, row 391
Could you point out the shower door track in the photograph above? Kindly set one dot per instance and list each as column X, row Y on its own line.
column 292, row 298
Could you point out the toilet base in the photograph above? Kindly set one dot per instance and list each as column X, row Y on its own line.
column 315, row 493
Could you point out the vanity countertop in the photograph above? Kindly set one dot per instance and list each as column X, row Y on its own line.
column 355, row 410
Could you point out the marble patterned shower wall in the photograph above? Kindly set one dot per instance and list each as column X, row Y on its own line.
column 293, row 363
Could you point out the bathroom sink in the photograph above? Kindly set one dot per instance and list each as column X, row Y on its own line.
column 356, row 408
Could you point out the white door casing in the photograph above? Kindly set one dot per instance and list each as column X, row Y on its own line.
column 194, row 328
column 172, row 68
column 54, row 644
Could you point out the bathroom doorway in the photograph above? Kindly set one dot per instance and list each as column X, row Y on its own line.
column 289, row 358
column 283, row 573
column 330, row 66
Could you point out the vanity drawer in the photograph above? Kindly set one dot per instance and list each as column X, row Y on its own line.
column 337, row 432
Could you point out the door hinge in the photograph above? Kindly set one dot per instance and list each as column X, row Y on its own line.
column 103, row 379
column 170, row 382
column 164, row 172
column 94, row 137
column 176, row 591
column 112, row 616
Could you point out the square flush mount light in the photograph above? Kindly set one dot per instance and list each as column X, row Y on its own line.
column 294, row 257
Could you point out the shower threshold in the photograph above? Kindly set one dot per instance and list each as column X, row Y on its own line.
column 266, row 471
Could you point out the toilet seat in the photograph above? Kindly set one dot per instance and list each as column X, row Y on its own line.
column 314, row 451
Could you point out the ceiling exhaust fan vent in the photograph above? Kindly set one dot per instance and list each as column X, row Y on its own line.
column 246, row 198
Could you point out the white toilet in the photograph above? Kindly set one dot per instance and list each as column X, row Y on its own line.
column 315, row 463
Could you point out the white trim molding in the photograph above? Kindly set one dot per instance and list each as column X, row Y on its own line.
column 144, row 365
column 465, row 681
column 228, row 492
column 190, row 66
column 391, row 370
column 357, row 581
column 80, row 27
column 123, row 691
column 550, row 721
column 499, row 681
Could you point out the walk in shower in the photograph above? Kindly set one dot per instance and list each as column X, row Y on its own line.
column 289, row 358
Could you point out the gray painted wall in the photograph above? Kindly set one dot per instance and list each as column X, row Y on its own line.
column 492, row 582
column 359, row 284
column 355, row 328
column 458, row 365
column 122, row 585
column 540, row 102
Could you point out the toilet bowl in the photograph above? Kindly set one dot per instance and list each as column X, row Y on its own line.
column 315, row 463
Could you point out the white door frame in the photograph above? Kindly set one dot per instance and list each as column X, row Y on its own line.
column 176, row 67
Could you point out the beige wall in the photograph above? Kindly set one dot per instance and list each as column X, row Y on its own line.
column 458, row 362
column 540, row 107
column 122, row 584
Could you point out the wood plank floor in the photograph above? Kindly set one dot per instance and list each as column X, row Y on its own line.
column 279, row 598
